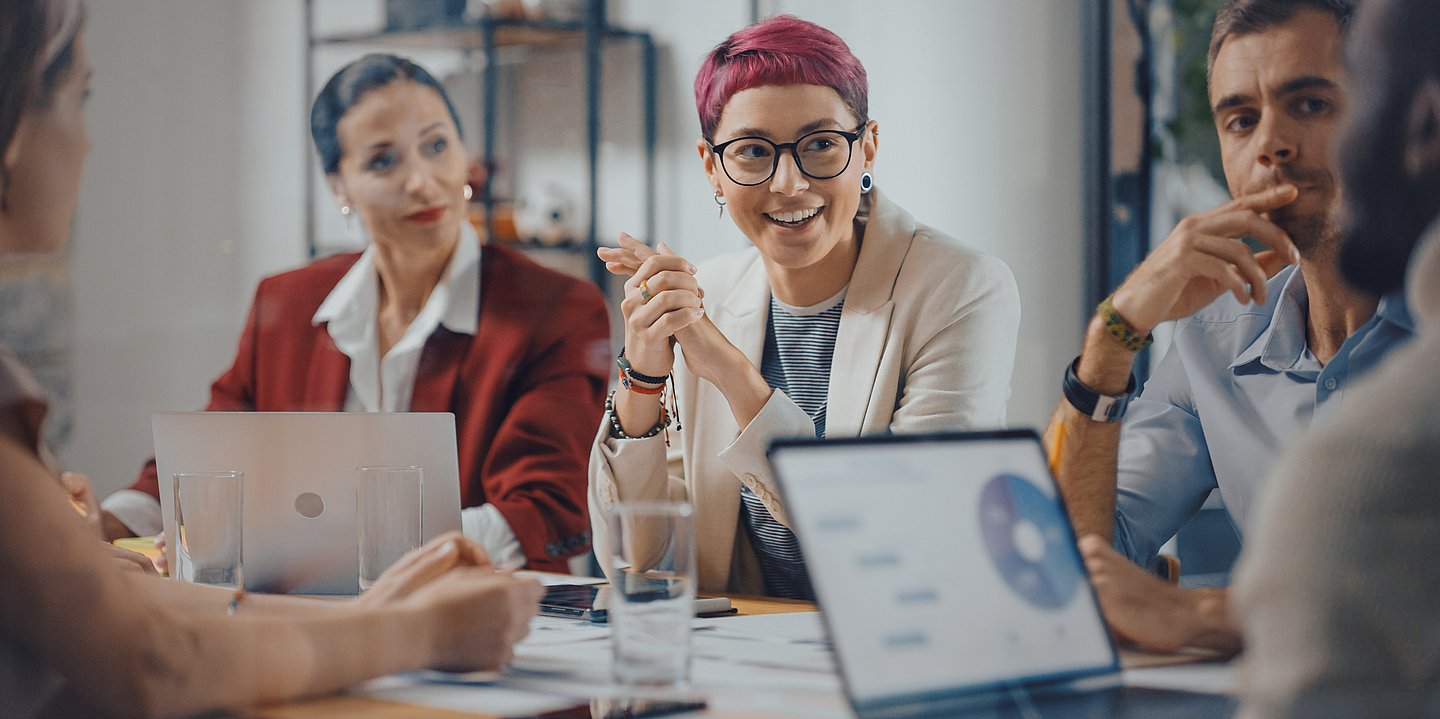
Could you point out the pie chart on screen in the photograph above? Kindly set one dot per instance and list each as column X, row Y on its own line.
column 1026, row 540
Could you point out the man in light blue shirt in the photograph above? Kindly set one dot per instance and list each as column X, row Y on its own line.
column 1248, row 371
column 1237, row 386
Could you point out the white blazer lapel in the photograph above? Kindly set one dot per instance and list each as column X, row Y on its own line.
column 742, row 314
column 865, row 321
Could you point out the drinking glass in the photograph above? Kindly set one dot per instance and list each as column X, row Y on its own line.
column 209, row 523
column 651, row 566
column 388, row 517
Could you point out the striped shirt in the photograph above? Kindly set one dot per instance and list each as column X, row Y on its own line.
column 799, row 347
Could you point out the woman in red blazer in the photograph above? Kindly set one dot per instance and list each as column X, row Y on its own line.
column 427, row 320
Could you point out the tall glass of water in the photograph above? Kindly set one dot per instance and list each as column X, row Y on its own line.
column 651, row 566
column 209, row 524
column 388, row 517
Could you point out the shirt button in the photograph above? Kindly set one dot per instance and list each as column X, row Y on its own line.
column 1331, row 384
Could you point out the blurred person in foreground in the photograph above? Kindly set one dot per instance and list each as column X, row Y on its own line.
column 79, row 635
column 1338, row 594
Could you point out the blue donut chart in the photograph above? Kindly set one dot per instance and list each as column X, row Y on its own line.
column 1052, row 581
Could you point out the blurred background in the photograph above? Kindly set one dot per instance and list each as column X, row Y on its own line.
column 1063, row 136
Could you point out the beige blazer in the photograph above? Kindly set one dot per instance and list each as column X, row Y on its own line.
column 926, row 342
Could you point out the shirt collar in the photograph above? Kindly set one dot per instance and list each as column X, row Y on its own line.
column 1281, row 346
column 351, row 307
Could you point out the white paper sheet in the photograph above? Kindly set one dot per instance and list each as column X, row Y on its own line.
column 1203, row 678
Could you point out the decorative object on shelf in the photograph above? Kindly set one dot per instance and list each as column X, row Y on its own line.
column 567, row 10
column 509, row 9
column 417, row 14
column 546, row 217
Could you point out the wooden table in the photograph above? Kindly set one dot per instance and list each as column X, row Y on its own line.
column 364, row 708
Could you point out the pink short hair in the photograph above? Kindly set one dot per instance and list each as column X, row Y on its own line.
column 783, row 50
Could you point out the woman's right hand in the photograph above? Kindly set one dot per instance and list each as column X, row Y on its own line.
column 662, row 297
column 475, row 616
column 418, row 568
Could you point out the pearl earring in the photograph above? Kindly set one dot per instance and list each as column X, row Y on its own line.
column 469, row 193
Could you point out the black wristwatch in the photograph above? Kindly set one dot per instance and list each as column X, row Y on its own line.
column 1092, row 404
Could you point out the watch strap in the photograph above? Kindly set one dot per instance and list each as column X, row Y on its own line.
column 1091, row 403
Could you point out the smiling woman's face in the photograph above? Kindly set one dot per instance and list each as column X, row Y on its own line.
column 794, row 220
column 402, row 166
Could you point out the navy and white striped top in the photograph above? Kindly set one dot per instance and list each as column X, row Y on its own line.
column 799, row 347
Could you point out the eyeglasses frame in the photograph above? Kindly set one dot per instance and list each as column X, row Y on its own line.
column 719, row 151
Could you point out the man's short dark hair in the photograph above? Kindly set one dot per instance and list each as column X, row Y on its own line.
column 1246, row 17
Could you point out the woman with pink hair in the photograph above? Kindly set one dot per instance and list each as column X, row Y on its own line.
column 845, row 317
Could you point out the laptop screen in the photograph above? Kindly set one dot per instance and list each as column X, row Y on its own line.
column 943, row 564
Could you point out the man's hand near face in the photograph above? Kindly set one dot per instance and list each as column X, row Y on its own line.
column 1204, row 257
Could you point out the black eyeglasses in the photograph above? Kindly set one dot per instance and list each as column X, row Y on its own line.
column 821, row 155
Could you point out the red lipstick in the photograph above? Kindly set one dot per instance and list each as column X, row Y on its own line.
column 427, row 215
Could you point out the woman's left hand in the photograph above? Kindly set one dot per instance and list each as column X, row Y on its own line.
column 706, row 348
column 82, row 498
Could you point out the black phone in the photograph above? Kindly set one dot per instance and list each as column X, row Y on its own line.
column 573, row 601
column 589, row 602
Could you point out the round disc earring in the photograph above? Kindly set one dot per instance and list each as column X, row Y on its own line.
column 867, row 182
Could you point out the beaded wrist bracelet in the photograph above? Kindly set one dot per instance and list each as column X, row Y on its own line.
column 1119, row 329
column 617, row 432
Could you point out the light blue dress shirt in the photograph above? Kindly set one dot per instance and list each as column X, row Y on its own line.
column 1238, row 385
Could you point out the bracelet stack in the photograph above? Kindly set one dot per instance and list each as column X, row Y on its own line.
column 649, row 385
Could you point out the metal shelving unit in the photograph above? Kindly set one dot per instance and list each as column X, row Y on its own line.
column 488, row 36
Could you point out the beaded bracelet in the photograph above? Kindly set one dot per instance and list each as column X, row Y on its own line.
column 617, row 432
column 1119, row 329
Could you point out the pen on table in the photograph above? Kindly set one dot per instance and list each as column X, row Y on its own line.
column 1057, row 445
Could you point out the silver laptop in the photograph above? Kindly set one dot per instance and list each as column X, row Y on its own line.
column 946, row 570
column 292, row 542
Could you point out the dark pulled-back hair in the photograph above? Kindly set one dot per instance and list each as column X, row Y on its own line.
column 1246, row 17
column 347, row 86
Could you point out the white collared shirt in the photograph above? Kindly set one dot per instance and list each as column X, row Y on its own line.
column 386, row 384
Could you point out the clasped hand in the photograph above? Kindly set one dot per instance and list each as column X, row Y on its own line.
column 663, row 305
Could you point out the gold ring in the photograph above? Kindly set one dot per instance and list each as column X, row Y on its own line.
column 644, row 291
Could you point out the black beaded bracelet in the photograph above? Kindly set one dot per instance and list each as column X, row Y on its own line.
column 617, row 432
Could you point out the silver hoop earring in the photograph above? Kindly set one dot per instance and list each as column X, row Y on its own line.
column 469, row 193
column 345, row 210
column 721, row 201
column 867, row 183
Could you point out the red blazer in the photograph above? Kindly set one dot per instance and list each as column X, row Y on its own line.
column 527, row 390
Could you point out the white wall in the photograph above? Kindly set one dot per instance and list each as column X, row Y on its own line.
column 191, row 194
column 195, row 187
